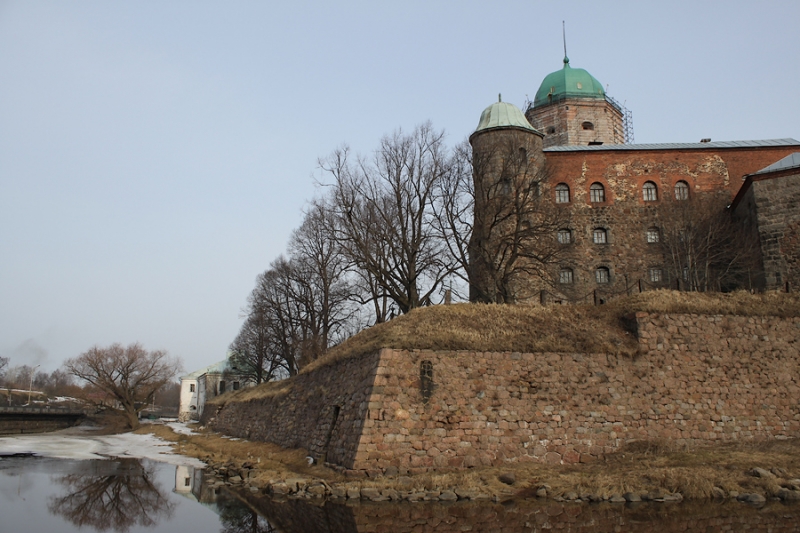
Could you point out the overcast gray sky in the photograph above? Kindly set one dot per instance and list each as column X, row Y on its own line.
column 155, row 156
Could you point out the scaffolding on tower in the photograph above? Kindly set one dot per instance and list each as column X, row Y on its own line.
column 627, row 119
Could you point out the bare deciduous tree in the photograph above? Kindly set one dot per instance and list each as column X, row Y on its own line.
column 252, row 350
column 277, row 309
column 299, row 306
column 705, row 249
column 383, row 216
column 320, row 274
column 130, row 375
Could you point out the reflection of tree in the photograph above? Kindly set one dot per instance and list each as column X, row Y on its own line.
column 236, row 518
column 115, row 495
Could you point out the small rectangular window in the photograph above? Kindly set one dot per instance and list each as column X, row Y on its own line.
column 426, row 380
column 235, row 385
column 191, row 387
column 656, row 276
column 564, row 236
column 187, row 482
column 599, row 236
column 565, row 276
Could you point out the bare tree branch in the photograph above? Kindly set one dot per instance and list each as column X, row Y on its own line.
column 129, row 375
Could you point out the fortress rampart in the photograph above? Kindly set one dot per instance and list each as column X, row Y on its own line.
column 697, row 380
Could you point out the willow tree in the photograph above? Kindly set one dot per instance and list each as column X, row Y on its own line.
column 127, row 375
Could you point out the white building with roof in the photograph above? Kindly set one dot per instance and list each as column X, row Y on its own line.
column 206, row 383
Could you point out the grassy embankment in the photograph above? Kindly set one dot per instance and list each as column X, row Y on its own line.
column 641, row 467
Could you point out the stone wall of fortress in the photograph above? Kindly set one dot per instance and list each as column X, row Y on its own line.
column 697, row 379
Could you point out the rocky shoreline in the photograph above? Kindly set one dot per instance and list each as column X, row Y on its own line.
column 245, row 476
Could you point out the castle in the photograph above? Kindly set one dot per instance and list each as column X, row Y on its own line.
column 609, row 206
column 562, row 175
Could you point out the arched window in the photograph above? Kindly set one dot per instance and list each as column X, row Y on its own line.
column 599, row 236
column 597, row 194
column 681, row 190
column 588, row 126
column 564, row 236
column 562, row 193
column 649, row 192
column 565, row 276
column 653, row 235
column 602, row 275
column 426, row 380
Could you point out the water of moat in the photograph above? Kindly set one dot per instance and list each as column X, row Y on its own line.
column 130, row 495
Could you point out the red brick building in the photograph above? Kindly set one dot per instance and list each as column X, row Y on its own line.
column 616, row 192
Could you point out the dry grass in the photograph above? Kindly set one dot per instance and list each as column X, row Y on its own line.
column 527, row 328
column 270, row 460
column 265, row 390
column 556, row 328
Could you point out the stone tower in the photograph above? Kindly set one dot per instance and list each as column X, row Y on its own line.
column 507, row 159
column 571, row 108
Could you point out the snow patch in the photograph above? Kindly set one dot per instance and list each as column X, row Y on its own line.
column 128, row 445
column 181, row 428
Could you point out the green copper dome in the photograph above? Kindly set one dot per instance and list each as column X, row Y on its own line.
column 568, row 82
column 501, row 114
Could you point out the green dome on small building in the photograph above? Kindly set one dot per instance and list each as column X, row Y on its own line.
column 502, row 115
column 568, row 82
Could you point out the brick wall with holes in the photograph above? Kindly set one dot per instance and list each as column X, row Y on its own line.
column 612, row 264
column 579, row 121
column 698, row 379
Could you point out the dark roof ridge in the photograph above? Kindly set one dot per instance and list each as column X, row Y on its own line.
column 678, row 146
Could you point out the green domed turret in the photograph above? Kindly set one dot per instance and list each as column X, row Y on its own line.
column 500, row 115
column 568, row 82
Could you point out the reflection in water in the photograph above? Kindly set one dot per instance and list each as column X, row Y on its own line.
column 234, row 516
column 295, row 516
column 111, row 495
column 239, row 519
column 123, row 495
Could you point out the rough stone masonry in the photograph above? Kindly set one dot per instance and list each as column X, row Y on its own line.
column 697, row 379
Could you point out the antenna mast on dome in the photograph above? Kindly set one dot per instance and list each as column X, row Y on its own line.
column 564, row 36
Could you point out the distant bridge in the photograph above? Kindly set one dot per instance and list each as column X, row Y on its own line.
column 16, row 420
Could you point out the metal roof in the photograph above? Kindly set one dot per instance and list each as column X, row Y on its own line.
column 677, row 146
column 790, row 161
column 569, row 82
column 216, row 368
column 501, row 115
